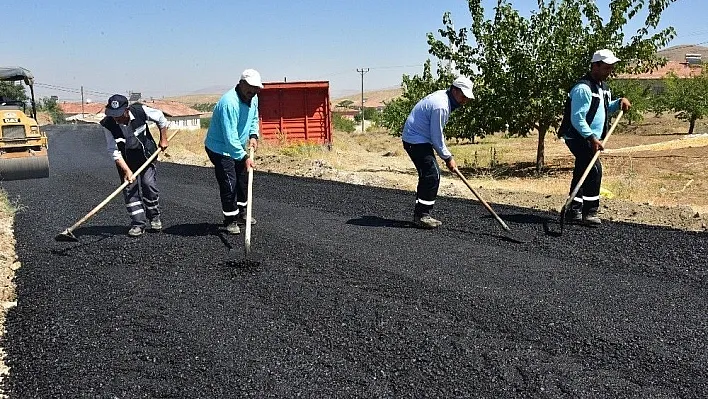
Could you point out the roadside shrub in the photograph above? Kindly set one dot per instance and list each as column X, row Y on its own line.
column 343, row 124
column 204, row 107
column 204, row 123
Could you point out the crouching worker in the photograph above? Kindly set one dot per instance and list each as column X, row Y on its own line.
column 131, row 144
column 234, row 128
column 423, row 137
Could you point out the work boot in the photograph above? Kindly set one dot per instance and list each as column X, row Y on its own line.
column 136, row 231
column 573, row 216
column 241, row 219
column 591, row 219
column 156, row 224
column 232, row 228
column 426, row 222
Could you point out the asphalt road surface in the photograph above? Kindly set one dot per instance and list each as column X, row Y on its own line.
column 340, row 296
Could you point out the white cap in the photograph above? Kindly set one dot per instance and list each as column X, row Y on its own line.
column 465, row 85
column 252, row 77
column 606, row 56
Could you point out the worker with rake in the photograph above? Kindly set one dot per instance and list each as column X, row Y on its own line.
column 130, row 144
column 586, row 121
column 234, row 128
column 423, row 136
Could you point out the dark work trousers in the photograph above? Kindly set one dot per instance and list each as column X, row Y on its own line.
column 423, row 157
column 232, row 176
column 141, row 196
column 587, row 200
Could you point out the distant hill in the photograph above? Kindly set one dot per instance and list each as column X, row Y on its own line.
column 374, row 98
column 678, row 53
column 213, row 89
column 192, row 99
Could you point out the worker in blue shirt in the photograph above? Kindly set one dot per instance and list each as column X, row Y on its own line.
column 423, row 136
column 234, row 128
column 585, row 122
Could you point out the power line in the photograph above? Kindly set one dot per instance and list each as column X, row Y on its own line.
column 328, row 75
column 70, row 89
column 398, row 66
column 362, row 71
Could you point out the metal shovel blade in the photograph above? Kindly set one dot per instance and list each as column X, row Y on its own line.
column 66, row 236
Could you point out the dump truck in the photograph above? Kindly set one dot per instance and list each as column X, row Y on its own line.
column 23, row 145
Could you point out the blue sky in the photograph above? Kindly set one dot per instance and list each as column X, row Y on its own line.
column 164, row 48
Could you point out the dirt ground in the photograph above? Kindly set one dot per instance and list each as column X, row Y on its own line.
column 8, row 265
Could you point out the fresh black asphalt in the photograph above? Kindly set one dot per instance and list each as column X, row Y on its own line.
column 340, row 296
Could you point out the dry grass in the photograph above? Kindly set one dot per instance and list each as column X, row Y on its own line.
column 650, row 162
column 192, row 99
column 8, row 265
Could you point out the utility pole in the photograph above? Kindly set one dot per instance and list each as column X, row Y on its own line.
column 362, row 71
column 82, row 102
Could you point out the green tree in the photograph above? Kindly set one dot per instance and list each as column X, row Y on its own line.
column 523, row 67
column 51, row 106
column 686, row 97
column 345, row 103
column 342, row 124
column 414, row 88
column 13, row 90
column 638, row 93
column 370, row 114
column 204, row 107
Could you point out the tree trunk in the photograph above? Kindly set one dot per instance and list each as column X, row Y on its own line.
column 540, row 151
column 692, row 125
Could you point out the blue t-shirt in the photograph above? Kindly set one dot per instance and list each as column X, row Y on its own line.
column 232, row 123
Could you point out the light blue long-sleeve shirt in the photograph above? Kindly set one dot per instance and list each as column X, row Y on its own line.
column 426, row 122
column 580, row 99
column 232, row 123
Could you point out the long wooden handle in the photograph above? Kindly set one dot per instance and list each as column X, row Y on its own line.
column 486, row 205
column 119, row 189
column 592, row 162
column 249, row 206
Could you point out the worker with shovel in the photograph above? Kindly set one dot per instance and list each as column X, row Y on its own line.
column 423, row 137
column 130, row 144
column 232, row 130
column 586, row 121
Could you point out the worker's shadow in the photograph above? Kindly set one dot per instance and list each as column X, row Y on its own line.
column 200, row 230
column 375, row 221
column 101, row 231
column 520, row 218
column 192, row 229
column 88, row 236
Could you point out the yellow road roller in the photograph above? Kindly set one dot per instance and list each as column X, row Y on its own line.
column 23, row 146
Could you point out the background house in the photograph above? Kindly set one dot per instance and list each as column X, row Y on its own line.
column 346, row 113
column 684, row 61
column 89, row 113
column 179, row 115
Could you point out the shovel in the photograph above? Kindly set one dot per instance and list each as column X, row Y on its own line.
column 249, row 209
column 512, row 237
column 67, row 234
column 567, row 203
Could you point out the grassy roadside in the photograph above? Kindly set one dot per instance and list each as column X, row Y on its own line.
column 8, row 265
column 7, row 249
